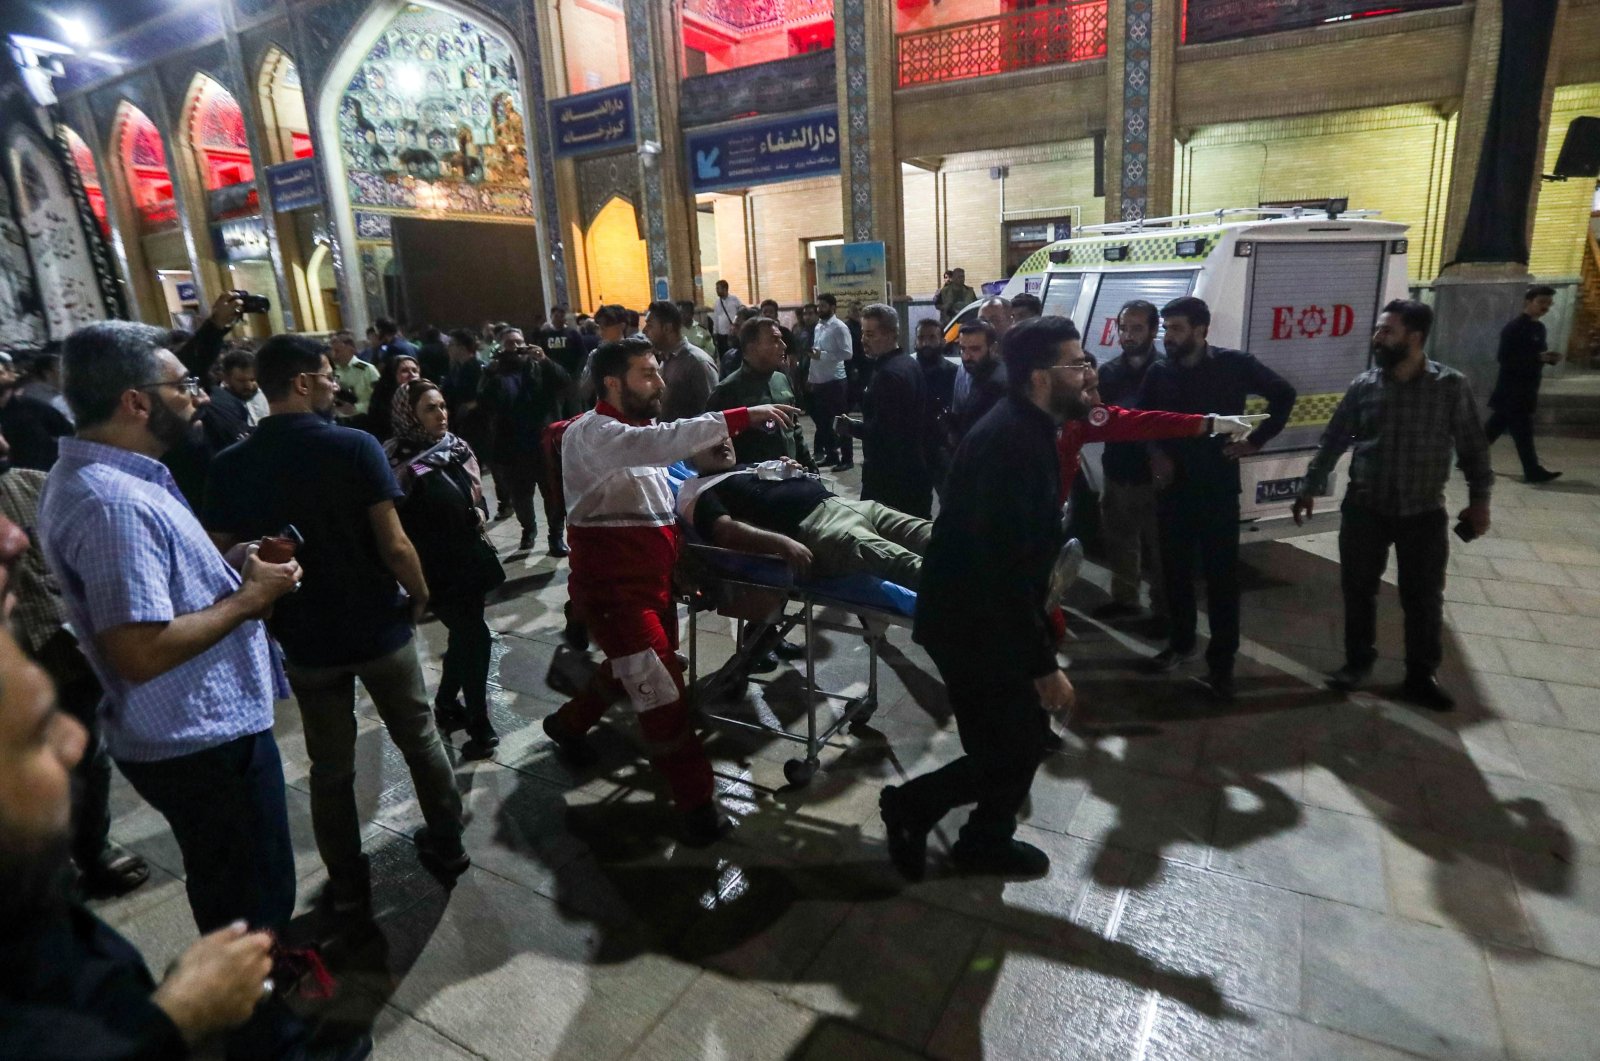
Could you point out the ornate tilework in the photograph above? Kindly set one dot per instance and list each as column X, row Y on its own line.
column 647, row 117
column 430, row 121
column 602, row 178
column 857, row 120
column 1134, row 180
column 542, row 145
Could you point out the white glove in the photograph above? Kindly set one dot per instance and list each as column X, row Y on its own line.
column 1236, row 427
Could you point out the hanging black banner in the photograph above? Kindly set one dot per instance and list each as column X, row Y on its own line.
column 1497, row 221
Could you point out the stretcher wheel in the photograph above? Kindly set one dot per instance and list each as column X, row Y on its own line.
column 799, row 772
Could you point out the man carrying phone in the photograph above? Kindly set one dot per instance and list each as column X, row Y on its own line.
column 174, row 634
column 350, row 620
column 1402, row 420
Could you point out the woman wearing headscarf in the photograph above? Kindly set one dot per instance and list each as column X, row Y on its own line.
column 443, row 514
column 399, row 371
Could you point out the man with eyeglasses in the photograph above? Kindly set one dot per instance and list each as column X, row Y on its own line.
column 981, row 605
column 1198, row 482
column 174, row 634
column 350, row 621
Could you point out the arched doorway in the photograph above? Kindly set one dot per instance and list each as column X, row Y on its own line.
column 302, row 235
column 83, row 162
column 615, row 258
column 233, row 247
column 69, row 291
column 430, row 185
column 142, row 194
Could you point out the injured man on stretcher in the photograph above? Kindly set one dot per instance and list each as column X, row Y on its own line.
column 777, row 508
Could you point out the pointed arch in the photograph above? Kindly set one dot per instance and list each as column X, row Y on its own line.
column 140, row 193
column 286, row 125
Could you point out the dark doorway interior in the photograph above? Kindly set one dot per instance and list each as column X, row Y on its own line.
column 456, row 274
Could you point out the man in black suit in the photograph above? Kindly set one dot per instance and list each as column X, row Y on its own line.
column 895, row 426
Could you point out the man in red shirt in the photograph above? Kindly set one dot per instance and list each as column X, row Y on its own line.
column 622, row 527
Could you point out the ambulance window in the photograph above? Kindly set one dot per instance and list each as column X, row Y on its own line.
column 1061, row 294
column 1118, row 289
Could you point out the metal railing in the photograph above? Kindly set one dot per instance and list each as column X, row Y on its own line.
column 757, row 14
column 1040, row 36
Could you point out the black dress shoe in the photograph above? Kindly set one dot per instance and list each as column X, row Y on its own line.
column 765, row 663
column 1542, row 475
column 843, row 466
column 1347, row 678
column 448, row 717
column 1167, row 660
column 558, row 546
column 482, row 740
column 908, row 844
column 1010, row 858
column 704, row 826
column 1424, row 690
column 526, row 543
column 446, row 858
column 1220, row 684
column 786, row 651
column 577, row 751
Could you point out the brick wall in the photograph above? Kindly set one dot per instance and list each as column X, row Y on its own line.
column 1001, row 112
column 597, row 54
column 1561, row 222
column 784, row 217
column 953, row 218
column 1395, row 159
column 1401, row 59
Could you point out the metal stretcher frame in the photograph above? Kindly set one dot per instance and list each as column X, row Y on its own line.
column 706, row 586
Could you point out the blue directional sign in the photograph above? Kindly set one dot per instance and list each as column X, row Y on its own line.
column 763, row 151
column 593, row 121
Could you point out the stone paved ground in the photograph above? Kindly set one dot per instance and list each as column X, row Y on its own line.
column 1296, row 875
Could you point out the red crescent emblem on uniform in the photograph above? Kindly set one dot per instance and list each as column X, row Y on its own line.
column 1099, row 416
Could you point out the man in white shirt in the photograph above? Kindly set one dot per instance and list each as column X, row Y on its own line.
column 830, row 391
column 725, row 317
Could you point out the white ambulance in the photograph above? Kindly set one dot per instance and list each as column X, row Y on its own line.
column 1298, row 288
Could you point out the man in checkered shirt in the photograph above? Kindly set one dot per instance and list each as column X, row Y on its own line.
column 1402, row 421
column 175, row 636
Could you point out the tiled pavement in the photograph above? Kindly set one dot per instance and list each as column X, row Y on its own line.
column 1299, row 874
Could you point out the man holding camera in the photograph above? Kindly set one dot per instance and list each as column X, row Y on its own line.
column 1402, row 420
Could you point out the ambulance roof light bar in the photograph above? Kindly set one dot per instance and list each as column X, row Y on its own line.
column 1188, row 220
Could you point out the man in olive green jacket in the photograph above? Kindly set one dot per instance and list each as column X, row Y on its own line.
column 761, row 380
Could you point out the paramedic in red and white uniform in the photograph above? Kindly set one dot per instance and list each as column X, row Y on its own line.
column 623, row 530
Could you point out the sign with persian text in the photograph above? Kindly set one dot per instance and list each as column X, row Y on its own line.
column 593, row 122
column 293, row 185
column 764, row 151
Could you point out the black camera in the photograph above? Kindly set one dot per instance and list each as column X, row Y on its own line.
column 254, row 303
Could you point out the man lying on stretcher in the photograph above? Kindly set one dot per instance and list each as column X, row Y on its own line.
column 777, row 508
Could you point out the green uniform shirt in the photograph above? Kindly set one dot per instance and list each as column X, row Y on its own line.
column 358, row 376
column 746, row 388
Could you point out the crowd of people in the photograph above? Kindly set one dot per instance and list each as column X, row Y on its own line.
column 220, row 527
